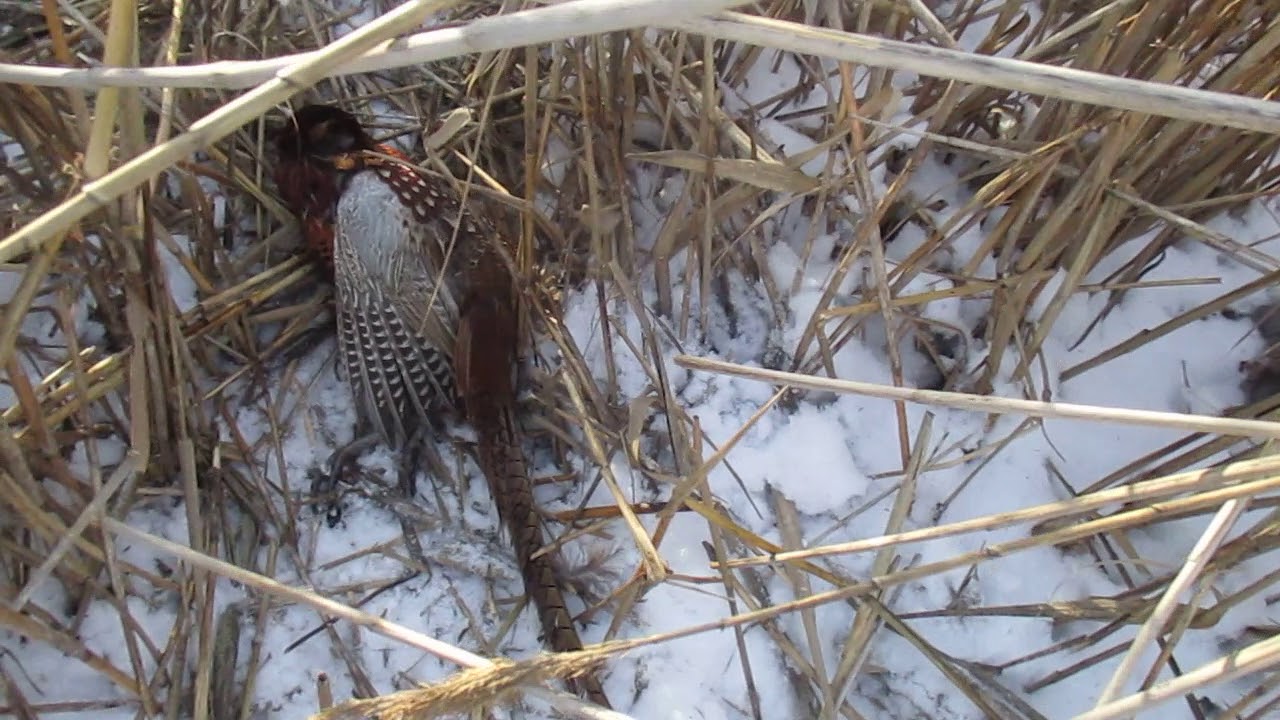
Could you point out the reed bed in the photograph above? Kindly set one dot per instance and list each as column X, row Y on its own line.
column 155, row 290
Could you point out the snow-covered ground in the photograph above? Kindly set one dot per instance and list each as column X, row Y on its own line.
column 828, row 458
column 831, row 458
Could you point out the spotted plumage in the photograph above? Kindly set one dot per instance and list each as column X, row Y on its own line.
column 396, row 303
column 388, row 234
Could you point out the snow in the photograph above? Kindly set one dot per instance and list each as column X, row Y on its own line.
column 835, row 459
column 829, row 459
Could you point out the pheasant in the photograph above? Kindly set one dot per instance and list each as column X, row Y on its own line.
column 426, row 314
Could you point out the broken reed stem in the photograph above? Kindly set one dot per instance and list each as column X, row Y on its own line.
column 1155, row 626
column 546, row 25
column 560, row 700
column 1254, row 658
column 294, row 78
column 1233, row 474
column 993, row 405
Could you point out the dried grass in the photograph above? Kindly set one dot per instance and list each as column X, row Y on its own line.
column 139, row 404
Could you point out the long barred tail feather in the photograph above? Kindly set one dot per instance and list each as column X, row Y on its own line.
column 502, row 460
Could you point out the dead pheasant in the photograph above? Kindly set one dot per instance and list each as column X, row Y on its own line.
column 427, row 316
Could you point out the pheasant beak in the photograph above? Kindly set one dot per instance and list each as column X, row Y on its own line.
column 344, row 162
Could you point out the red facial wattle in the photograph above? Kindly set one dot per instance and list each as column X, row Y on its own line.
column 310, row 187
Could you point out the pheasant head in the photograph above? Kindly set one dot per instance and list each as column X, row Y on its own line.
column 317, row 150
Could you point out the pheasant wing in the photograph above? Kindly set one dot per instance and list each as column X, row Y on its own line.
column 394, row 352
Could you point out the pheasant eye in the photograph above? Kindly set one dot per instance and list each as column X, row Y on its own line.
column 342, row 141
column 316, row 133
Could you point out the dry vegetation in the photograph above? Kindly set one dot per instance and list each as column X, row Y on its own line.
column 122, row 399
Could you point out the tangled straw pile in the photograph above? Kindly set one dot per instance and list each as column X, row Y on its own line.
column 137, row 326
